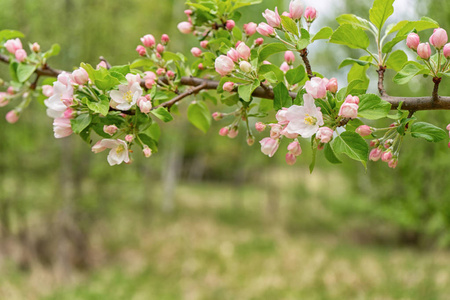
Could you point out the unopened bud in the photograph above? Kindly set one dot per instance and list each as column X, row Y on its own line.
column 260, row 126
column 230, row 24
column 36, row 48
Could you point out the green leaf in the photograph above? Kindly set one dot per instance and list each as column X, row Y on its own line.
column 289, row 25
column 101, row 107
column 25, row 71
column 124, row 70
column 199, row 115
column 380, row 12
column 350, row 36
column 162, row 114
column 265, row 69
column 397, row 60
column 389, row 45
column 423, row 24
column 323, row 34
column 352, row 145
column 80, row 123
column 314, row 144
column 296, row 75
column 353, row 20
column 151, row 143
column 428, row 131
column 409, row 70
column 270, row 49
column 305, row 39
column 330, row 155
column 358, row 72
column 142, row 62
column 245, row 91
column 281, row 97
column 10, row 34
column 372, row 107
column 54, row 50
column 351, row 61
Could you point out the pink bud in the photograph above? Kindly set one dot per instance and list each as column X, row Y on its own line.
column 228, row 86
column 296, row 9
column 160, row 71
column 165, row 39
column 244, row 51
column 272, row 17
column 265, row 29
column 196, row 52
column 188, row 12
column 349, row 110
column 160, row 48
column 13, row 45
column 275, row 131
column 290, row 159
column 224, row 65
column 316, row 87
column 374, row 143
column 10, row 90
column 129, row 138
column 80, row 76
column 144, row 105
column 224, row 131
column 364, row 130
column 233, row 133
column 386, row 156
column 424, row 51
column 200, row 66
column 245, row 66
column 170, row 74
column 185, row 27
column 21, row 55
column 62, row 128
column 12, row 117
column 393, row 163
column 250, row 140
column 3, row 99
column 352, row 99
column 69, row 113
column 388, row 143
column 47, row 90
column 237, row 44
column 332, row 85
column 259, row 41
column 448, row 127
column 289, row 57
column 217, row 116
column 101, row 64
column 110, row 129
column 204, row 44
column 439, row 38
column 375, row 154
column 413, row 41
column 35, row 47
column 147, row 151
column 284, row 67
column 233, row 55
column 141, row 50
column 269, row 146
column 295, row 148
column 250, row 28
column 447, row 51
column 148, row 40
column 324, row 134
column 230, row 24
column 310, row 14
column 260, row 126
column 281, row 116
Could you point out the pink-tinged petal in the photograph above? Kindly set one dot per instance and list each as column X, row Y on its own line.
column 109, row 143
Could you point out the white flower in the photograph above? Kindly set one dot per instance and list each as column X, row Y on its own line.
column 126, row 96
column 304, row 120
column 62, row 127
column 61, row 99
column 118, row 153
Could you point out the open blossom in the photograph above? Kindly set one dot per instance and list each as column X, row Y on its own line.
column 269, row 146
column 265, row 29
column 127, row 95
column 281, row 116
column 316, row 87
column 272, row 17
column 224, row 65
column 13, row 45
column 47, row 90
column 62, row 127
column 304, row 120
column 61, row 99
column 296, row 9
column 145, row 105
column 118, row 153
column 324, row 134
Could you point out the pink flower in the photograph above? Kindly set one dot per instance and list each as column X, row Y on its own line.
column 188, row 12
column 265, row 29
column 269, row 146
column 316, row 87
column 448, row 127
column 386, row 156
column 310, row 14
column 290, row 159
column 424, row 51
column 244, row 51
column 228, row 86
column 62, row 128
column 165, row 39
column 3, row 99
column 349, row 110
column 69, row 113
column 375, row 154
column 272, row 17
column 296, row 9
column 110, row 129
column 35, row 47
column 224, row 131
column 148, row 40
column 144, row 105
column 439, row 38
column 118, row 153
column 259, row 41
column 250, row 28
column 61, row 98
column 147, row 151
column 295, row 148
column 364, row 130
column 204, row 44
column 304, row 120
column 324, row 134
column 289, row 57
column 230, row 24
column 352, row 99
column 284, row 67
column 275, row 131
column 21, row 55
column 224, row 65
column 196, row 52
column 332, row 85
column 413, row 41
column 160, row 48
column 13, row 45
column 245, row 66
column 80, row 76
column 393, row 163
column 12, row 117
column 141, row 50
column 233, row 55
column 286, row 14
column 447, row 51
column 149, row 79
column 260, row 126
column 281, row 116
column 47, row 90
column 185, row 27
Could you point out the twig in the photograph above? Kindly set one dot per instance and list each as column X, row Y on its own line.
column 304, row 55
column 435, row 94
column 380, row 72
column 108, row 65
column 180, row 97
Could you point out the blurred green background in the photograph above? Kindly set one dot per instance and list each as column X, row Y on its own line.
column 209, row 217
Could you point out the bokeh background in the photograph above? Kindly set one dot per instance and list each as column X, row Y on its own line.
column 208, row 217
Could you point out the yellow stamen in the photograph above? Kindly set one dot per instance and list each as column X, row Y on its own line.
column 310, row 120
column 128, row 96
column 120, row 149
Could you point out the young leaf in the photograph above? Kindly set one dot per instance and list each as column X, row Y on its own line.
column 350, row 36
column 380, row 12
column 281, row 97
column 296, row 75
column 270, row 49
column 25, row 71
column 397, row 60
column 354, row 21
column 373, row 107
column 10, row 34
column 101, row 107
column 409, row 70
column 80, row 123
column 330, row 155
column 289, row 25
column 199, row 115
column 162, row 114
column 428, row 131
column 245, row 91
column 351, row 144
column 323, row 34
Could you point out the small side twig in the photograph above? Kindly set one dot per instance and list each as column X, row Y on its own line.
column 304, row 55
column 435, row 94
column 381, row 71
column 108, row 65
column 180, row 97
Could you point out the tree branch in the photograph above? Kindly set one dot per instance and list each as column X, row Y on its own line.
column 43, row 71
column 380, row 72
column 180, row 97
column 304, row 55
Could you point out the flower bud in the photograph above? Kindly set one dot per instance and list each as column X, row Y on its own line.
column 424, row 51
column 375, row 154
column 284, row 67
column 129, row 138
column 447, row 51
column 250, row 140
column 388, row 143
column 204, row 44
column 148, row 40
column 310, row 14
column 316, row 87
column 170, row 74
column 352, row 99
column 10, row 90
column 272, row 17
column 269, row 146
column 224, row 65
column 185, row 27
column 21, row 55
column 36, row 48
column 224, row 131
column 260, row 126
column 245, row 66
column 296, row 9
column 80, row 76
column 160, row 48
column 233, row 133
column 110, row 129
column 250, row 28
column 141, row 50
column 147, row 151
column 413, row 41
column 12, row 117
column 364, row 130
column 324, row 134
column 259, row 41
column 3, row 99
column 188, row 12
column 374, row 143
column 448, row 127
column 295, row 148
column 265, row 29
column 69, row 113
column 233, row 55
column 228, row 86
column 101, row 64
column 332, row 85
column 386, row 156
column 290, row 159
column 145, row 105
column 165, row 39
column 393, row 163
column 13, row 45
column 62, row 128
column 200, row 66
column 47, row 90
column 244, row 51
column 160, row 71
column 349, row 110
column 230, row 24
column 217, row 116
column 289, row 57
column 281, row 116
column 275, row 131
column 439, row 38
column 196, row 52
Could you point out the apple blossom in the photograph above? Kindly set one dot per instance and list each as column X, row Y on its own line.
column 126, row 96
column 364, row 130
column 281, row 116
column 284, row 67
column 110, row 129
column 316, row 87
column 47, row 90
column 118, row 153
column 349, row 110
column 265, row 29
column 290, row 158
column 304, row 120
column 145, row 105
column 185, row 27
column 324, row 134
column 35, row 47
column 233, row 55
column 275, row 131
column 224, row 65
column 272, row 17
column 204, row 44
column 447, row 51
column 245, row 66
column 61, row 99
column 21, row 55
column 228, row 86
column 260, row 126
column 413, row 41
column 69, row 113
column 160, row 48
column 224, row 131
column 165, row 39
column 250, row 28
column 352, row 99
column 295, row 148
column 393, row 163
column 439, row 38
column 141, row 50
column 196, row 52
column 244, row 51
column 289, row 57
column 259, row 41
column 80, row 76
column 3, row 99
column 230, row 24
column 269, row 146
column 62, row 128
column 375, row 154
column 296, row 9
column 129, row 138
column 332, row 85
column 424, row 51
column 13, row 45
column 147, row 151
column 148, row 40
column 386, row 156
column 12, row 116
column 250, row 140
column 310, row 14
